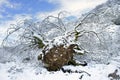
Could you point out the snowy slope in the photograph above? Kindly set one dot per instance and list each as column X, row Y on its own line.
column 20, row 71
column 103, row 59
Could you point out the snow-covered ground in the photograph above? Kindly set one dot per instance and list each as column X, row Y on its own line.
column 14, row 69
column 26, row 71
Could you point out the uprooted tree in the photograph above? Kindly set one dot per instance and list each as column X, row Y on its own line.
column 59, row 40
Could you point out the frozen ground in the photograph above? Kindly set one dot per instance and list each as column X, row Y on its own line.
column 15, row 70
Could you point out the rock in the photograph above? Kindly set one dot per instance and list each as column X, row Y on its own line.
column 114, row 75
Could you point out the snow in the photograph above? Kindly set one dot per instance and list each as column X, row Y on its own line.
column 103, row 59
column 26, row 71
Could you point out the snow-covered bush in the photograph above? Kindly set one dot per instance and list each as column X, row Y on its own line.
column 52, row 31
column 96, row 33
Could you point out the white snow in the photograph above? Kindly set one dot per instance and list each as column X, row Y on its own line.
column 102, row 59
column 26, row 71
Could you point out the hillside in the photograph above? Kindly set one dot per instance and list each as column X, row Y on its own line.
column 99, row 39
